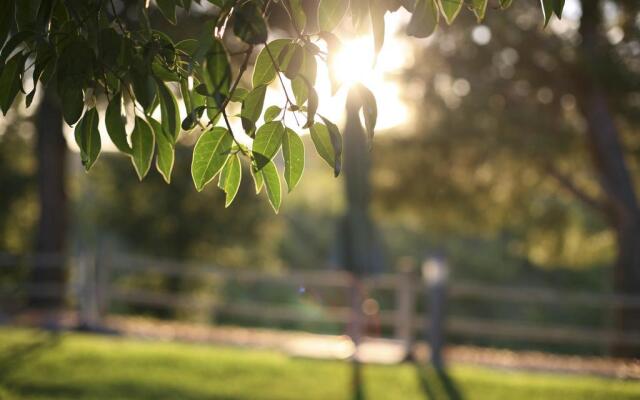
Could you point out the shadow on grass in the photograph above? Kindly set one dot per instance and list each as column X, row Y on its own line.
column 357, row 385
column 15, row 355
column 117, row 390
column 436, row 383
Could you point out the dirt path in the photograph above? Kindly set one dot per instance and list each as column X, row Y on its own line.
column 374, row 350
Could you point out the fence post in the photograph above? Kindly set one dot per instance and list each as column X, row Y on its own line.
column 88, row 304
column 103, row 272
column 435, row 274
column 405, row 303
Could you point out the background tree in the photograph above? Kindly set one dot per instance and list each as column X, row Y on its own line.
column 511, row 123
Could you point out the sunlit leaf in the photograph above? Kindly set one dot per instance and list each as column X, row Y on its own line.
column 252, row 109
column 169, row 111
column 142, row 143
column 272, row 183
column 165, row 155
column 324, row 144
column 230, row 178
column 258, row 180
column 264, row 72
column 217, row 72
column 272, row 113
column 330, row 13
column 299, row 18
column 480, row 8
column 336, row 143
column 267, row 142
column 450, row 9
column 365, row 100
column 88, row 138
column 209, row 155
column 293, row 153
column 312, row 105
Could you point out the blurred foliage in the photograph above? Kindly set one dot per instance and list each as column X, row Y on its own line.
column 18, row 201
column 498, row 121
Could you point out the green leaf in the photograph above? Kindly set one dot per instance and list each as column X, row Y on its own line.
column 88, row 138
column 142, row 142
column 293, row 153
column 217, row 75
column 6, row 18
column 13, row 43
column 558, row 6
column 110, row 46
column 25, row 14
column 258, row 180
column 312, row 106
column 424, row 19
column 272, row 182
column 547, row 10
column 248, row 24
column 169, row 111
column 189, row 46
column 264, row 72
column 335, row 139
column 165, row 155
column 239, row 94
column 294, row 61
column 11, row 81
column 322, row 142
column 298, row 16
column 252, row 109
column 504, row 4
column 191, row 120
column 230, row 178
column 168, row 9
column 74, row 68
column 450, row 9
column 267, row 142
column 144, row 89
column 272, row 113
column 330, row 13
column 209, row 155
column 307, row 76
column 72, row 100
column 363, row 97
column 480, row 8
column 43, row 67
column 115, row 124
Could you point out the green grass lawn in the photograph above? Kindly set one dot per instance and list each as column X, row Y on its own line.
column 37, row 365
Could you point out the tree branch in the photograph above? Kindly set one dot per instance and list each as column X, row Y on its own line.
column 568, row 184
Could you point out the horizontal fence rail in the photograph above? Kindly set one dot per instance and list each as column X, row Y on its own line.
column 96, row 286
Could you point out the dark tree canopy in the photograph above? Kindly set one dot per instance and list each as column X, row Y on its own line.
column 96, row 51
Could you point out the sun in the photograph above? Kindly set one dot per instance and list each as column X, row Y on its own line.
column 354, row 63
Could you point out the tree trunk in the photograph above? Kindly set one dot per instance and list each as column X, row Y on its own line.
column 48, row 274
column 614, row 176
